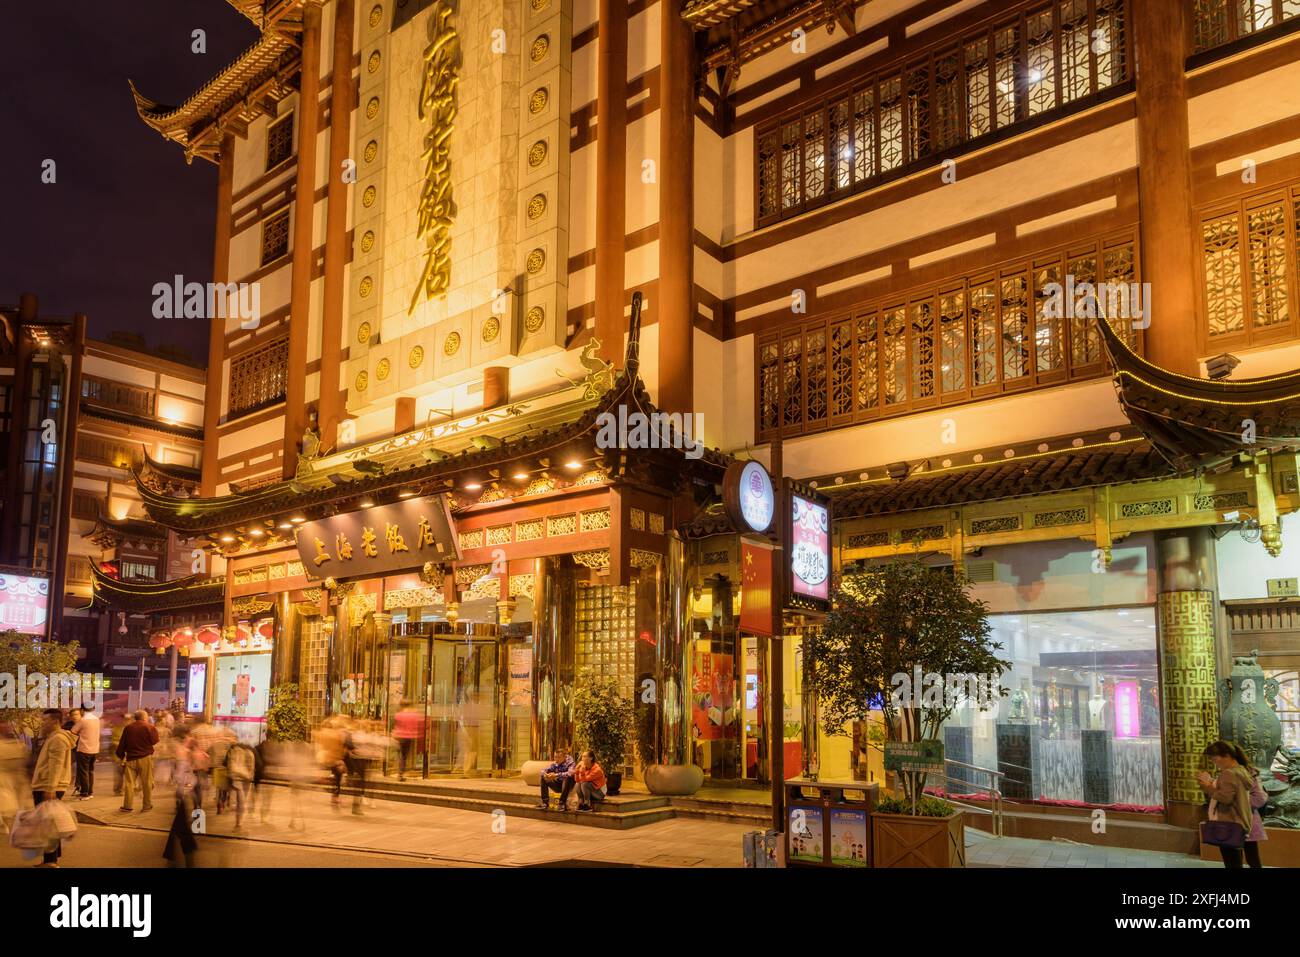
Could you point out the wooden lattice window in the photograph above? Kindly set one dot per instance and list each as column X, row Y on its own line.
column 85, row 505
column 1218, row 22
column 279, row 141
column 258, row 378
column 275, row 237
column 1249, row 276
column 1024, row 325
column 92, row 448
column 1018, row 67
column 117, row 395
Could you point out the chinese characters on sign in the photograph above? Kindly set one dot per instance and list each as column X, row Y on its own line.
column 810, row 548
column 378, row 540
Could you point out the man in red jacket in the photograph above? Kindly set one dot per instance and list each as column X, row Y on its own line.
column 135, row 751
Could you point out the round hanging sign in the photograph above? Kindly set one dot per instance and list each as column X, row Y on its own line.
column 749, row 496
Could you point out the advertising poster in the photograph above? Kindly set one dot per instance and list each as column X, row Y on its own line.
column 714, row 695
column 196, row 691
column 243, row 694
column 520, row 690
column 806, row 834
column 810, row 549
column 24, row 604
column 849, row 838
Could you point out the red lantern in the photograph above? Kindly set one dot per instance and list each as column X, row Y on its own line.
column 209, row 635
column 160, row 642
column 184, row 641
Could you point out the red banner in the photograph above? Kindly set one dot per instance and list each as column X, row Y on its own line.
column 756, row 588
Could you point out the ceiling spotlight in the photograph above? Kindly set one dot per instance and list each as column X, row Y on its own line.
column 367, row 502
column 472, row 486
column 573, row 465
column 227, row 538
column 297, row 519
column 257, row 533
column 520, row 475
column 285, row 525
column 405, row 493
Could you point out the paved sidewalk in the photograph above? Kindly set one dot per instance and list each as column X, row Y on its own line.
column 439, row 834
column 983, row 850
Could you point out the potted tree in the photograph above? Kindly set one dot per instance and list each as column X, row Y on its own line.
column 602, row 721
column 894, row 626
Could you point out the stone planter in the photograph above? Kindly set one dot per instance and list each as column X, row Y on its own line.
column 531, row 772
column 901, row 840
column 679, row 779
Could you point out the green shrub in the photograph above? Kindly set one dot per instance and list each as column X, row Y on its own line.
column 602, row 719
column 286, row 720
column 925, row 806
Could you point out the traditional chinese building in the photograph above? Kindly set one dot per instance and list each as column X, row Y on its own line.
column 970, row 271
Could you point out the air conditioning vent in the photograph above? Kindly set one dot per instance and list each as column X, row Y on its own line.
column 981, row 572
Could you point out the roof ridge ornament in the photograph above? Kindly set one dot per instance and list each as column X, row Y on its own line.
column 600, row 373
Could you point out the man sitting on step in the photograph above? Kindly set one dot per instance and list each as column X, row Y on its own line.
column 558, row 776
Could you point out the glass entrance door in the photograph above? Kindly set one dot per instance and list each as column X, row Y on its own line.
column 463, row 702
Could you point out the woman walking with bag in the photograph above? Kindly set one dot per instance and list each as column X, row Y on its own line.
column 1234, row 793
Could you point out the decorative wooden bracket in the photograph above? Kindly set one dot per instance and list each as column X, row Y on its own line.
column 841, row 12
column 1101, row 522
column 1270, row 528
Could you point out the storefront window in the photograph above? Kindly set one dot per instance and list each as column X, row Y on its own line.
column 243, row 684
column 1082, row 721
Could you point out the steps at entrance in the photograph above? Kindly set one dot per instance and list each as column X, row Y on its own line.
column 627, row 810
column 618, row 813
column 758, row 816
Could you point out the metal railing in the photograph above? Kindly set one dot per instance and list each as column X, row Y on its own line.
column 994, row 791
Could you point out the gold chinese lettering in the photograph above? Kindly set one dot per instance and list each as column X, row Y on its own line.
column 368, row 543
column 322, row 556
column 438, row 102
column 424, row 534
column 342, row 547
column 393, row 535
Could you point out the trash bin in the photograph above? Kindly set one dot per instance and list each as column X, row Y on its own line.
column 828, row 823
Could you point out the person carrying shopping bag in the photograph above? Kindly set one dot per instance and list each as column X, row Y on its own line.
column 52, row 776
column 1234, row 825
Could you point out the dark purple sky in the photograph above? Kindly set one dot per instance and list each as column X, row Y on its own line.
column 125, row 211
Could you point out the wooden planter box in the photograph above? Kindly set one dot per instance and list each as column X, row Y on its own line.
column 901, row 840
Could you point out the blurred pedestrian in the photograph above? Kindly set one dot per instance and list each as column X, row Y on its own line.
column 52, row 776
column 119, row 766
column 136, row 749
column 408, row 729
column 241, row 766
column 14, row 794
column 87, row 731
column 181, row 842
column 329, row 751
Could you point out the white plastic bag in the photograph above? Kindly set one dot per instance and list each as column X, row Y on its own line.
column 31, row 830
column 62, row 820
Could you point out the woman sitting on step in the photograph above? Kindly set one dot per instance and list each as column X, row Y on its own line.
column 591, row 782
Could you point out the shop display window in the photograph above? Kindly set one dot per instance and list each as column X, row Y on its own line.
column 1081, row 721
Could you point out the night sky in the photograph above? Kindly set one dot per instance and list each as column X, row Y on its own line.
column 125, row 211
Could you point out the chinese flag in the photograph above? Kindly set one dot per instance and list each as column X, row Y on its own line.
column 756, row 587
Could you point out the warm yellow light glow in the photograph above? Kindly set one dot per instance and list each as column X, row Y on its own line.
column 573, row 465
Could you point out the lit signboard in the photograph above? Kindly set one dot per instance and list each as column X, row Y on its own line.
column 810, row 549
column 749, row 497
column 196, row 693
column 24, row 604
column 1128, row 719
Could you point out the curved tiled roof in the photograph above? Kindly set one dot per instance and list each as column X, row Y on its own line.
column 1102, row 464
column 1195, row 422
column 156, row 596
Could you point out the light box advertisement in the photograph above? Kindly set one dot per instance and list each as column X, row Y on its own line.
column 810, row 549
column 24, row 604
column 196, row 691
